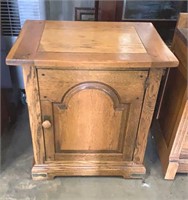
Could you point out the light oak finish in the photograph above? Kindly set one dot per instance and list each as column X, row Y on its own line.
column 93, row 127
column 147, row 113
column 89, row 40
column 50, row 170
column 33, row 101
column 151, row 53
column 172, row 129
column 66, row 79
column 91, row 90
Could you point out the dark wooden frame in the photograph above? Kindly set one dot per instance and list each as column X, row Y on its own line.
column 108, row 10
column 80, row 11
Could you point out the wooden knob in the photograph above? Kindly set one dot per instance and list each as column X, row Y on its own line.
column 46, row 124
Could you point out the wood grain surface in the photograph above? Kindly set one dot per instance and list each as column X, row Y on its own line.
column 66, row 79
column 101, row 45
column 89, row 40
column 93, row 127
column 147, row 113
column 50, row 170
column 31, row 87
column 96, row 112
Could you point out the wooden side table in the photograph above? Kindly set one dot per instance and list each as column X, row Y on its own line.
column 91, row 89
column 171, row 130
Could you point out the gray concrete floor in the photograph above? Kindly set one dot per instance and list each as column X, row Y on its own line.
column 16, row 182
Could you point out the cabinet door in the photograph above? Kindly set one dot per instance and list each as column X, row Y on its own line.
column 94, row 115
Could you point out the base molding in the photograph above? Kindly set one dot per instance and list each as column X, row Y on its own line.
column 50, row 170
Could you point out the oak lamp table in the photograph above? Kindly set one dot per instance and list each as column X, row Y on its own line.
column 91, row 90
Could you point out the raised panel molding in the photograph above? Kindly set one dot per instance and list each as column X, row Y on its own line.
column 103, row 102
column 92, row 85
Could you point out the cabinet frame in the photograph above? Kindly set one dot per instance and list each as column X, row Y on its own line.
column 48, row 169
column 88, row 46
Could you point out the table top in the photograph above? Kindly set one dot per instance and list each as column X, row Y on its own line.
column 90, row 45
